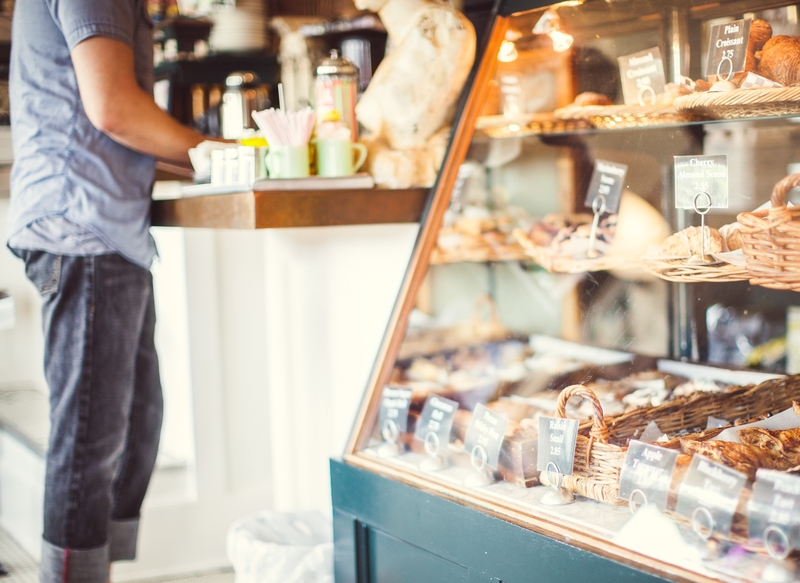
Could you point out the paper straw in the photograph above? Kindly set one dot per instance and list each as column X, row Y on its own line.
column 280, row 97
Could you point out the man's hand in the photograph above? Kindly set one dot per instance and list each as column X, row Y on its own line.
column 118, row 107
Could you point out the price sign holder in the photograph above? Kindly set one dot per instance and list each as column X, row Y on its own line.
column 393, row 419
column 773, row 512
column 482, row 442
column 709, row 495
column 701, row 183
column 603, row 195
column 646, row 475
column 433, row 430
column 642, row 76
column 556, row 456
column 727, row 48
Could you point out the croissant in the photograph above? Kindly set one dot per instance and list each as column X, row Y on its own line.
column 739, row 456
column 779, row 60
column 784, row 442
column 760, row 33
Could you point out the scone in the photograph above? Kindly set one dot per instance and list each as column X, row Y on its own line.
column 732, row 235
column 591, row 98
column 690, row 242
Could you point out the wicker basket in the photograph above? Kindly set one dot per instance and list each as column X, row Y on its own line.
column 595, row 472
column 556, row 263
column 626, row 116
column 771, row 240
column 603, row 442
column 680, row 271
column 762, row 102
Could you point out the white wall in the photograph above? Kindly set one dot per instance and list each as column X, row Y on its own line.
column 266, row 340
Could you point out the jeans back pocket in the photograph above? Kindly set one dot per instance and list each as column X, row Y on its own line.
column 43, row 269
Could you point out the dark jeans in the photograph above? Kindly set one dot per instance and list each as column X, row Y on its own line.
column 105, row 408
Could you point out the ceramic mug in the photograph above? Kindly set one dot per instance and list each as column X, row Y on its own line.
column 335, row 157
column 287, row 162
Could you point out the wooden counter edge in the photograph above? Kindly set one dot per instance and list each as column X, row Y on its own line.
column 286, row 209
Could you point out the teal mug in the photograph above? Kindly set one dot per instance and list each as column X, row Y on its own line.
column 287, row 162
column 336, row 157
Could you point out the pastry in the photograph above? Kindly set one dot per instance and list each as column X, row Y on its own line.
column 732, row 234
column 591, row 98
column 739, row 456
column 785, row 442
column 671, row 92
column 701, row 85
column 779, row 60
column 760, row 33
column 690, row 242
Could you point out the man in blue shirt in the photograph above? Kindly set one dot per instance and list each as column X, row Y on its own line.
column 86, row 134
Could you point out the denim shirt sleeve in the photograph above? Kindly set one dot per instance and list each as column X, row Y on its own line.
column 83, row 19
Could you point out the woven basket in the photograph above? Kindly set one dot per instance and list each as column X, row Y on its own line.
column 603, row 441
column 682, row 272
column 626, row 116
column 771, row 240
column 692, row 412
column 762, row 102
column 595, row 473
column 556, row 263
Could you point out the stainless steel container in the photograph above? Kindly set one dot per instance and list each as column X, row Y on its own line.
column 243, row 94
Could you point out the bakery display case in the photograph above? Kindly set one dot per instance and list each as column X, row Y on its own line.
column 590, row 373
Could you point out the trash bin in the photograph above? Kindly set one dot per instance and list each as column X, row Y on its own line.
column 282, row 547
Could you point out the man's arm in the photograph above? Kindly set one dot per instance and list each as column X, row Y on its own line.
column 118, row 107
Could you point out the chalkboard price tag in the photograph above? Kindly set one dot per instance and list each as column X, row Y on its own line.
column 701, row 182
column 484, row 437
column 709, row 495
column 393, row 416
column 557, row 440
column 642, row 76
column 774, row 512
column 606, row 185
column 727, row 48
column 646, row 474
column 435, row 423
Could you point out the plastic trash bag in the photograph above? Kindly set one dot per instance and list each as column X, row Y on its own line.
column 282, row 547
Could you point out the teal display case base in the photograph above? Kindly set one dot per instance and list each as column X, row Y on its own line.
column 388, row 532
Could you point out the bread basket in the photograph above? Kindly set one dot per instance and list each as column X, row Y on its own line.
column 602, row 442
column 739, row 103
column 771, row 240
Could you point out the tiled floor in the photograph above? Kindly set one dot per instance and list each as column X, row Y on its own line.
column 23, row 569
column 24, row 413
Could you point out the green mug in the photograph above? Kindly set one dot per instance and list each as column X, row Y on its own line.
column 287, row 162
column 335, row 157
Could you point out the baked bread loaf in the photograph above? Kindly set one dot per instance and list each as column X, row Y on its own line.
column 739, row 456
column 779, row 60
column 690, row 242
column 732, row 234
column 591, row 98
column 760, row 33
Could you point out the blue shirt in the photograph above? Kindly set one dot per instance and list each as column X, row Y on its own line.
column 73, row 188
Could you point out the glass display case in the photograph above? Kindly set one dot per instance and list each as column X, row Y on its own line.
column 589, row 371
